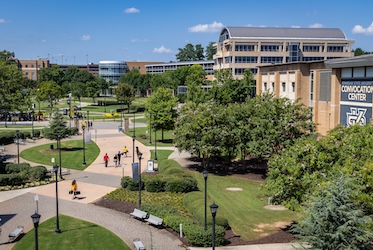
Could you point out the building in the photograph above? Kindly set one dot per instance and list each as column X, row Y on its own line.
column 163, row 67
column 339, row 91
column 91, row 68
column 140, row 66
column 30, row 68
column 111, row 71
column 241, row 48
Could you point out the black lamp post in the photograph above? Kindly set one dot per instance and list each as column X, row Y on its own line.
column 35, row 219
column 17, row 141
column 140, row 157
column 205, row 174
column 32, row 123
column 150, row 126
column 59, row 152
column 69, row 102
column 55, row 169
column 214, row 209
column 155, row 141
column 88, row 119
column 133, row 137
column 84, row 163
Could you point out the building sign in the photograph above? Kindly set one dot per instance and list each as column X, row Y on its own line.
column 356, row 102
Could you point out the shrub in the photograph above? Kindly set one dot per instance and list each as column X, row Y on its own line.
column 17, row 168
column 73, row 131
column 37, row 173
column 181, row 185
column 124, row 182
column 37, row 133
column 13, row 179
column 155, row 183
column 197, row 236
column 6, row 138
column 160, row 211
column 134, row 185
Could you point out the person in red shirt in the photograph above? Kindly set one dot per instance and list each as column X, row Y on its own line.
column 106, row 160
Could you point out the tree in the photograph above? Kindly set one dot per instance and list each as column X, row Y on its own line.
column 49, row 91
column 210, row 51
column 54, row 74
column 93, row 89
column 194, row 82
column 360, row 52
column 13, row 91
column 7, row 56
column 125, row 93
column 162, row 107
column 332, row 220
column 186, row 54
column 57, row 126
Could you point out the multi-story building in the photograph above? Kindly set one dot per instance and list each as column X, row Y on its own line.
column 30, row 68
column 241, row 48
column 339, row 91
column 163, row 67
column 140, row 66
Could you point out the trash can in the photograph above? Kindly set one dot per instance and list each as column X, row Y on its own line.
column 119, row 128
column 51, row 147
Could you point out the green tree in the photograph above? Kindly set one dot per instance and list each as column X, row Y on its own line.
column 162, row 106
column 93, row 89
column 13, row 91
column 210, row 51
column 360, row 52
column 53, row 73
column 49, row 91
column 332, row 220
column 7, row 56
column 199, row 53
column 194, row 82
column 125, row 93
column 57, row 126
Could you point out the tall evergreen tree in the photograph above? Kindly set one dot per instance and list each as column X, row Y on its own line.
column 57, row 126
column 333, row 220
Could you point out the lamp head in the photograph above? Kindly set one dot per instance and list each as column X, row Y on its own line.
column 205, row 173
column 35, row 219
column 140, row 155
column 214, row 209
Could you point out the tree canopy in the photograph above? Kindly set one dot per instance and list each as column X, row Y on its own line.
column 195, row 53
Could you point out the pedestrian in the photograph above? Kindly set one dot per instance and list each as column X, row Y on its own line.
column 74, row 188
column 119, row 155
column 125, row 151
column 115, row 159
column 106, row 160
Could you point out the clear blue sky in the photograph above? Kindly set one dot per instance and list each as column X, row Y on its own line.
column 77, row 31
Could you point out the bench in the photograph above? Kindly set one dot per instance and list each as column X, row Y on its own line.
column 139, row 214
column 138, row 244
column 154, row 220
column 63, row 171
column 2, row 148
column 20, row 141
column 16, row 233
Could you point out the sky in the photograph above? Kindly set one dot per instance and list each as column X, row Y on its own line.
column 88, row 31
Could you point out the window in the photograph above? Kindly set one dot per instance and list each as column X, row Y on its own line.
column 228, row 59
column 265, row 86
column 283, row 87
column 311, row 88
column 246, row 59
column 244, row 48
column 270, row 48
column 312, row 58
column 271, row 59
column 335, row 49
column 310, row 48
column 273, row 86
column 293, row 87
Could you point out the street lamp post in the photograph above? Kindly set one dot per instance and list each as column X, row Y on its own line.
column 69, row 101
column 140, row 157
column 17, row 142
column 150, row 126
column 55, row 169
column 59, row 152
column 84, row 163
column 133, row 137
column 88, row 119
column 35, row 219
column 32, row 123
column 214, row 209
column 155, row 141
column 205, row 174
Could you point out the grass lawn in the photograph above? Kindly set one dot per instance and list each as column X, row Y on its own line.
column 76, row 234
column 144, row 137
column 71, row 154
column 244, row 210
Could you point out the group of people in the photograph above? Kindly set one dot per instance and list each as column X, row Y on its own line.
column 116, row 158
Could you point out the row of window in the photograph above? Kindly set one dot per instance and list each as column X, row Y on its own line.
column 283, row 86
column 277, row 48
column 240, row 71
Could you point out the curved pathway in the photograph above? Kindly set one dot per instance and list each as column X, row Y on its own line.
column 94, row 182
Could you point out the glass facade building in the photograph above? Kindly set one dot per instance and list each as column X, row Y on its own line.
column 111, row 71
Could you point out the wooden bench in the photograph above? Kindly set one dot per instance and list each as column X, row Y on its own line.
column 138, row 244
column 139, row 214
column 16, row 233
column 154, row 220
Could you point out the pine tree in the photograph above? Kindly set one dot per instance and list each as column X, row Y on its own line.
column 333, row 220
column 57, row 126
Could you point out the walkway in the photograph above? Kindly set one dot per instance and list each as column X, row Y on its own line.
column 17, row 206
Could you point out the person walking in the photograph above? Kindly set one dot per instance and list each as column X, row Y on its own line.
column 74, row 188
column 125, row 151
column 115, row 159
column 119, row 155
column 106, row 160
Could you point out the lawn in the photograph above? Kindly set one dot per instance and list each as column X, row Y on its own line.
column 76, row 234
column 244, row 210
column 143, row 136
column 71, row 154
